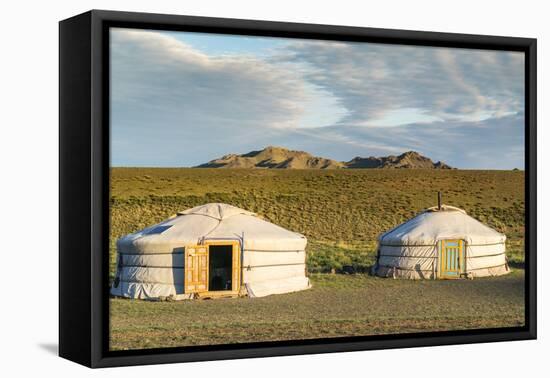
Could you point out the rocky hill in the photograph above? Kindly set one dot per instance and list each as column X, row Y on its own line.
column 282, row 158
column 273, row 157
column 410, row 159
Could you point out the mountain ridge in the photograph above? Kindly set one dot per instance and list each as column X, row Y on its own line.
column 273, row 157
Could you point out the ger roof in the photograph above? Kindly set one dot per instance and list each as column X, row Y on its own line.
column 211, row 221
column 435, row 224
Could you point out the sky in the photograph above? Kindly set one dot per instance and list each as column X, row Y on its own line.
column 181, row 99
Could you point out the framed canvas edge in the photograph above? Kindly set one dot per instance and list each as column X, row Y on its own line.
column 100, row 356
column 75, row 277
column 410, row 341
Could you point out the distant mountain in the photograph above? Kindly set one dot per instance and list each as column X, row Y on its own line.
column 410, row 159
column 282, row 158
column 273, row 157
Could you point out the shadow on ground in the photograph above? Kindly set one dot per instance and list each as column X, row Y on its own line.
column 516, row 265
column 51, row 348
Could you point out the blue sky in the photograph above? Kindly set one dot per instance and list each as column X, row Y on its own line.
column 182, row 99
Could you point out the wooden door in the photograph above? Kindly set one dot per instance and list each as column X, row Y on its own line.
column 450, row 258
column 196, row 269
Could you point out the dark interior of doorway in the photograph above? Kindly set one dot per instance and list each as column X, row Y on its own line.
column 221, row 267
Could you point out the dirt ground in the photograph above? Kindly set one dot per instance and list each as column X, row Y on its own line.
column 336, row 306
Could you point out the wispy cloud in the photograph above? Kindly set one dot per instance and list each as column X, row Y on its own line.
column 176, row 105
column 374, row 80
column 168, row 97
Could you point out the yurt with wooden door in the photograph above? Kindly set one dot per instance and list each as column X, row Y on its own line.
column 213, row 250
column 442, row 242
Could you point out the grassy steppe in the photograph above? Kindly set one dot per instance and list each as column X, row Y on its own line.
column 337, row 305
column 341, row 212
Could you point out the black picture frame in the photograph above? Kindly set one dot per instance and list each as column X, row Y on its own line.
column 84, row 187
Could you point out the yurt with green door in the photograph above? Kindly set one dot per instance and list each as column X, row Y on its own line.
column 213, row 250
column 441, row 242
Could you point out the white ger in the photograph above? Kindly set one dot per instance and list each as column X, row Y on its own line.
column 440, row 243
column 210, row 251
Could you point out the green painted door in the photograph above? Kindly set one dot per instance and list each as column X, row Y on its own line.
column 450, row 258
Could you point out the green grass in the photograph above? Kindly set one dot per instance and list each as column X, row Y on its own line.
column 337, row 305
column 341, row 212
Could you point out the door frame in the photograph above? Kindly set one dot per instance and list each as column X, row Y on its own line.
column 443, row 266
column 236, row 270
column 236, row 266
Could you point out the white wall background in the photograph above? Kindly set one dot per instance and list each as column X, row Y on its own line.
column 29, row 184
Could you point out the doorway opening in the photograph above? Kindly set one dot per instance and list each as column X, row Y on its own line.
column 220, row 269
